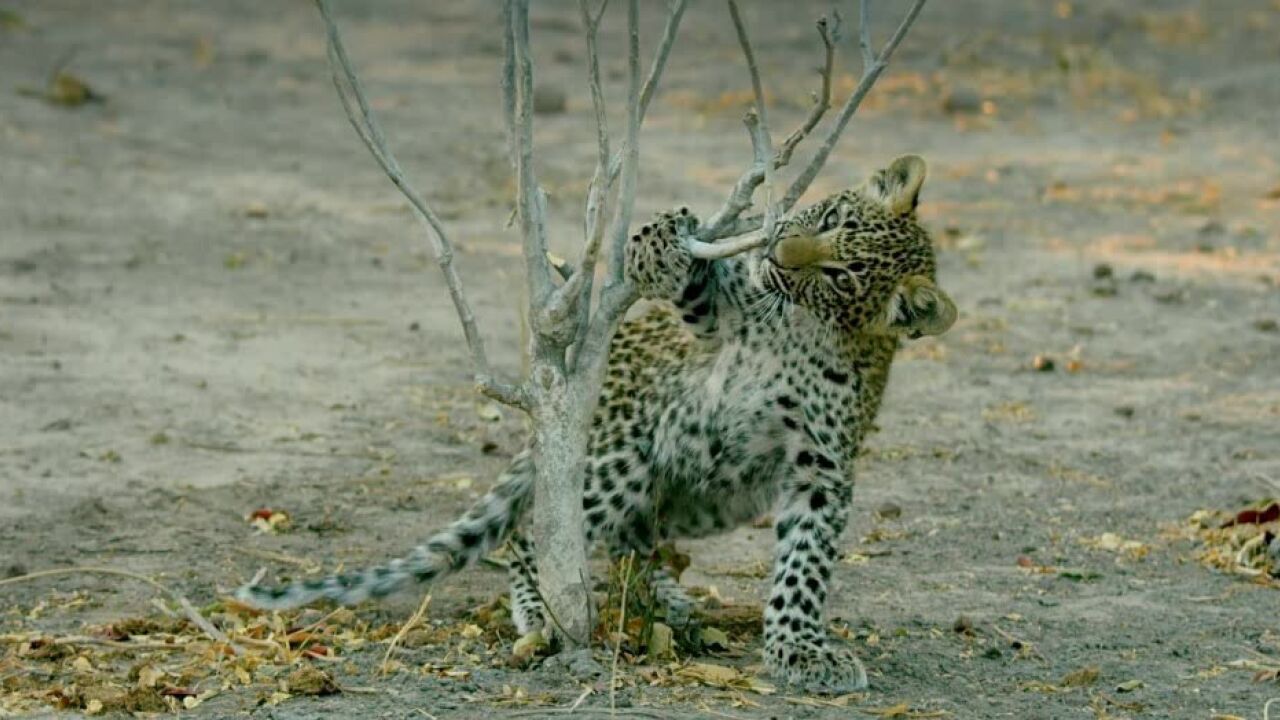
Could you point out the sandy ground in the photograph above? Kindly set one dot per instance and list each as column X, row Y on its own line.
column 211, row 301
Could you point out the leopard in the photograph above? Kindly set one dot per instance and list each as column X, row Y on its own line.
column 746, row 390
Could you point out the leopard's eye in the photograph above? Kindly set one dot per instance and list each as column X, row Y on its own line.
column 830, row 221
column 842, row 279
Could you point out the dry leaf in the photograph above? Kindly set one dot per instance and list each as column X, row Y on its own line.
column 1083, row 677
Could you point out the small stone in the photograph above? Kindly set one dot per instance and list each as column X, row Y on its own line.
column 1267, row 325
column 549, row 100
column 310, row 680
column 889, row 511
column 582, row 666
column 1042, row 363
column 1104, row 287
column 1212, row 227
column 962, row 99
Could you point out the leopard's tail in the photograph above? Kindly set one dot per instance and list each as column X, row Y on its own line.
column 482, row 529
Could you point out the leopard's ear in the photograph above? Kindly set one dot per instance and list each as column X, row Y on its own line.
column 918, row 307
column 898, row 185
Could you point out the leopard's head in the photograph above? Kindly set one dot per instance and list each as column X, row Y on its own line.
column 861, row 259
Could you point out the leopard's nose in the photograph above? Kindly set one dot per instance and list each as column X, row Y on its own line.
column 798, row 251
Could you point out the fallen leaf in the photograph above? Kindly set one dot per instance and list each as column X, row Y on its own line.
column 1130, row 686
column 715, row 639
column 527, row 647
column 661, row 641
column 1255, row 516
column 1083, row 677
column 723, row 677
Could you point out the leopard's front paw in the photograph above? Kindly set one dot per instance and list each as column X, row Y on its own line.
column 657, row 260
column 819, row 668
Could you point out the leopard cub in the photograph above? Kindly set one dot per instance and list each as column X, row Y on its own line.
column 748, row 387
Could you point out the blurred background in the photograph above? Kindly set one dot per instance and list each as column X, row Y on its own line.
column 212, row 301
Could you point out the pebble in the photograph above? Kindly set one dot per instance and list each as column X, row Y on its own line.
column 889, row 511
column 962, row 99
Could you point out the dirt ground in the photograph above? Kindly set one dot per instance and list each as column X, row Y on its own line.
column 211, row 301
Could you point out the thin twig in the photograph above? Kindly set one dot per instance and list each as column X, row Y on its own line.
column 622, row 628
column 409, row 624
column 308, row 565
column 740, row 196
column 586, row 691
column 721, row 250
column 187, row 608
column 631, row 151
column 822, row 101
column 864, row 34
column 530, row 200
column 89, row 640
column 575, row 294
column 366, row 125
column 870, row 75
column 656, row 68
column 761, row 142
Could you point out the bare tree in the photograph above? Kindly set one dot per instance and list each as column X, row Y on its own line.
column 572, row 324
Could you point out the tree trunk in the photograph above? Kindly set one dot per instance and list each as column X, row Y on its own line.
column 561, row 421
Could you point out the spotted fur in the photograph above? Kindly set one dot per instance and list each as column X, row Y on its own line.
column 749, row 386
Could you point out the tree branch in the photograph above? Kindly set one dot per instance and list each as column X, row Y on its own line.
column 864, row 34
column 575, row 294
column 726, row 221
column 870, row 74
column 822, row 101
column 631, row 151
column 530, row 200
column 351, row 90
column 618, row 294
column 655, row 75
column 740, row 196
column 761, row 142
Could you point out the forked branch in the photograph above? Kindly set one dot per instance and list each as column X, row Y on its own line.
column 727, row 221
column 356, row 105
column 822, row 100
column 870, row 74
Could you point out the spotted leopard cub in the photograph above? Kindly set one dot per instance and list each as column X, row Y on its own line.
column 748, row 387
